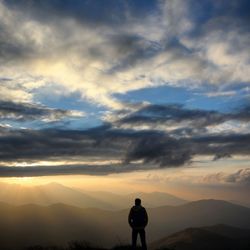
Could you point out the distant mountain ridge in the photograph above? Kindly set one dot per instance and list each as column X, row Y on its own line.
column 59, row 223
column 56, row 193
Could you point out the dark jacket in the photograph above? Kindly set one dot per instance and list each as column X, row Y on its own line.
column 138, row 217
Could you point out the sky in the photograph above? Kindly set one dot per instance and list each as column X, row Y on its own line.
column 142, row 95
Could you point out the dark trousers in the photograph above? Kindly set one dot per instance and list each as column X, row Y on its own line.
column 142, row 234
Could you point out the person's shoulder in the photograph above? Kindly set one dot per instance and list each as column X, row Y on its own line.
column 138, row 208
column 141, row 208
column 144, row 209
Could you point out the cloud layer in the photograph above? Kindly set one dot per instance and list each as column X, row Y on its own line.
column 148, row 148
column 85, row 48
column 241, row 177
column 101, row 50
column 27, row 111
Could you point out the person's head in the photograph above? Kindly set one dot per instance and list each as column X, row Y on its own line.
column 137, row 202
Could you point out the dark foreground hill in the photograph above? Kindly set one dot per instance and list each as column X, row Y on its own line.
column 58, row 224
column 219, row 237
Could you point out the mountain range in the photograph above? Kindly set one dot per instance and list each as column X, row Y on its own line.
column 218, row 237
column 59, row 223
column 53, row 193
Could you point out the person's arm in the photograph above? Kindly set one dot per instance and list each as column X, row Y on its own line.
column 146, row 218
column 130, row 220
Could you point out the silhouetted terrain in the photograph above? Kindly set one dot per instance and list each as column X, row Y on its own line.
column 58, row 224
column 56, row 193
column 78, row 245
column 154, row 199
column 221, row 237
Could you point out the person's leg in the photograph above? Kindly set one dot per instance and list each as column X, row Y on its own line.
column 143, row 239
column 134, row 238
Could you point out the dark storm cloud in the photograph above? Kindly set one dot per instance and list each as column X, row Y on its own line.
column 217, row 15
column 220, row 145
column 58, row 144
column 160, row 150
column 12, row 48
column 167, row 151
column 134, row 49
column 114, row 11
column 148, row 149
column 174, row 114
column 103, row 143
column 30, row 112
column 243, row 113
column 123, row 47
column 98, row 12
column 67, row 170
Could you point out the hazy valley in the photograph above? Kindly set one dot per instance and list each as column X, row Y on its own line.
column 62, row 214
column 53, row 193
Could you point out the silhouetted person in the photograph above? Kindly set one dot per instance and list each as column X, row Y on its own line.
column 138, row 220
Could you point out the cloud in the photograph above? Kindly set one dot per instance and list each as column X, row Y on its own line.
column 29, row 111
column 99, row 49
column 181, row 121
column 221, row 146
column 241, row 177
column 173, row 113
column 10, row 90
column 54, row 144
column 161, row 150
column 84, row 48
column 66, row 170
column 149, row 149
column 92, row 13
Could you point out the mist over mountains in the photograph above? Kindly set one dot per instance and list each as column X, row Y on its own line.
column 59, row 223
column 56, row 193
column 54, row 214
